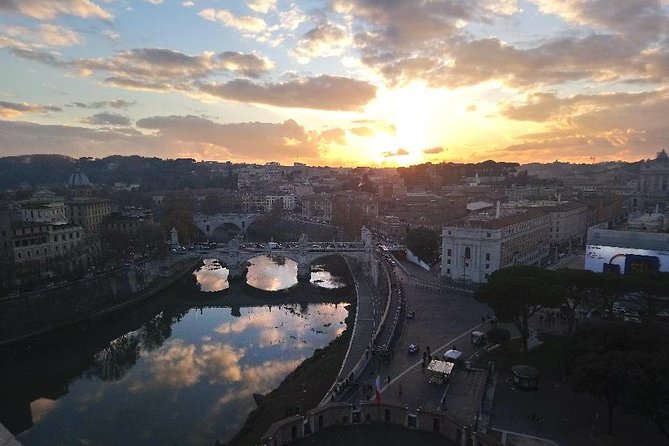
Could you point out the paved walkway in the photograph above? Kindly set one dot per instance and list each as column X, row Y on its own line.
column 443, row 318
column 368, row 317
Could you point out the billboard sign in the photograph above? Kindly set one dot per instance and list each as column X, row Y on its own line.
column 600, row 258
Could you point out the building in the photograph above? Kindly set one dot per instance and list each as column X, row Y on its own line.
column 474, row 249
column 128, row 221
column 317, row 206
column 88, row 213
column 6, row 249
column 265, row 202
column 653, row 184
column 569, row 220
column 390, row 226
column 39, row 242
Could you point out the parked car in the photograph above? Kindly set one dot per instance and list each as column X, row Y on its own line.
column 413, row 348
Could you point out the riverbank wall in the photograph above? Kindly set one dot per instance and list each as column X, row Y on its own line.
column 40, row 312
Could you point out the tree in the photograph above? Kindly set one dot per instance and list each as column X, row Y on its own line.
column 212, row 204
column 277, row 208
column 576, row 287
column 178, row 213
column 624, row 366
column 652, row 291
column 606, row 377
column 424, row 243
column 515, row 294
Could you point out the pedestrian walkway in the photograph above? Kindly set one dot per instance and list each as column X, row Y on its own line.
column 367, row 319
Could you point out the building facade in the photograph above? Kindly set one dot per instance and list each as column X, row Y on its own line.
column 88, row 213
column 39, row 242
column 653, row 184
column 475, row 249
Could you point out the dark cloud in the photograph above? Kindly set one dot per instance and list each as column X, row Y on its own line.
column 423, row 40
column 111, row 119
column 433, row 150
column 398, row 152
column 639, row 20
column 323, row 92
column 11, row 109
column 167, row 70
column 156, row 66
column 114, row 103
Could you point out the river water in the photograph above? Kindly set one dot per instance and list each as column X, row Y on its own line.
column 167, row 371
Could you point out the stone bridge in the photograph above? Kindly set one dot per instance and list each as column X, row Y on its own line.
column 236, row 254
column 209, row 223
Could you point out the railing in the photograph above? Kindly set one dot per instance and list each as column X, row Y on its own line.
column 345, row 414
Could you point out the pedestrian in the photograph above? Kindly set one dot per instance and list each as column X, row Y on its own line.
column 428, row 350
column 400, row 389
column 388, row 379
column 454, row 347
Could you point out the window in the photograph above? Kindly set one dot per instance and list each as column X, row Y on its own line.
column 487, row 256
column 448, row 252
column 468, row 253
column 448, row 271
column 487, row 234
column 487, row 266
column 448, row 262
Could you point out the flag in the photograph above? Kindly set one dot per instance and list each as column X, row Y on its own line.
column 378, row 388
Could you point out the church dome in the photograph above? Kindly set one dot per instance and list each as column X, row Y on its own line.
column 79, row 179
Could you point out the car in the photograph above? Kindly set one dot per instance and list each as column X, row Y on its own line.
column 413, row 348
column 411, row 314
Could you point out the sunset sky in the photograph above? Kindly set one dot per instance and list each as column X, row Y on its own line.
column 336, row 82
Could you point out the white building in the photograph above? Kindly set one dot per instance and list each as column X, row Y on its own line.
column 476, row 248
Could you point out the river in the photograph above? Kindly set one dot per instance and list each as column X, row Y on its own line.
column 167, row 371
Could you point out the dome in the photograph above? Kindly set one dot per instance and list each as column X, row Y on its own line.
column 78, row 179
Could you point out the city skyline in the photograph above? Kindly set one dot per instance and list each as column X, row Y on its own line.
column 341, row 82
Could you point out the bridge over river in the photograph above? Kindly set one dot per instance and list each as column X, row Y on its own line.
column 236, row 255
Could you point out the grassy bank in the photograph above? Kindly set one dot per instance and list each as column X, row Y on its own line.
column 300, row 391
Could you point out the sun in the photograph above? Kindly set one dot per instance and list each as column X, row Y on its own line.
column 409, row 110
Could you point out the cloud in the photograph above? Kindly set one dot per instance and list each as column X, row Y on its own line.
column 322, row 41
column 156, row 69
column 43, row 36
column 324, row 92
column 433, row 150
column 644, row 20
column 114, row 103
column 187, row 4
column 154, row 2
column 179, row 365
column 112, row 119
column 13, row 109
column 363, row 131
column 398, row 152
column 427, row 41
column 262, row 6
column 609, row 126
column 173, row 136
column 248, row 140
column 244, row 23
column 49, row 9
